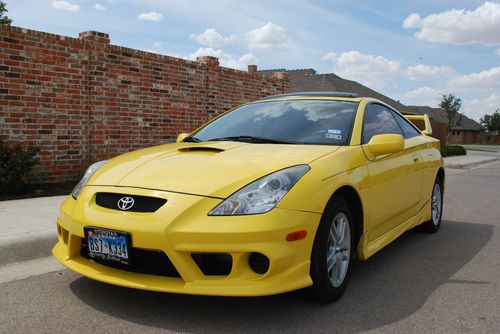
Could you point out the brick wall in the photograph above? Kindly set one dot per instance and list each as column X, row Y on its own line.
column 467, row 137
column 84, row 99
column 439, row 131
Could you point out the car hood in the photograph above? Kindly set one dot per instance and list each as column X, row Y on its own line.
column 214, row 169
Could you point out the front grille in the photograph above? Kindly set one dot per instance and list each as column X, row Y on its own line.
column 142, row 261
column 140, row 203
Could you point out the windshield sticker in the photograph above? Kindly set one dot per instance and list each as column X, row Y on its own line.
column 332, row 136
column 334, row 131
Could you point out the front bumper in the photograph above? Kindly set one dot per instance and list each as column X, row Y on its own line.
column 181, row 228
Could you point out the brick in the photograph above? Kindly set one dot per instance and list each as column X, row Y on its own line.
column 11, row 97
column 12, row 75
column 15, row 57
column 10, row 40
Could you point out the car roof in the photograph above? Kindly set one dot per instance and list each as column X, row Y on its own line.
column 311, row 94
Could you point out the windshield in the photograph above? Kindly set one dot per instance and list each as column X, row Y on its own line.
column 322, row 122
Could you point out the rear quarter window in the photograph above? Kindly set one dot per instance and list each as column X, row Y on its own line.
column 409, row 131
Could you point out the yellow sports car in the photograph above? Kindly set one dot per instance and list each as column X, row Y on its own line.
column 272, row 196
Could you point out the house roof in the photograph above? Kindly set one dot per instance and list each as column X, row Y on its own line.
column 435, row 114
column 307, row 80
column 439, row 115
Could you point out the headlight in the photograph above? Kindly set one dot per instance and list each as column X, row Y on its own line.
column 261, row 195
column 88, row 173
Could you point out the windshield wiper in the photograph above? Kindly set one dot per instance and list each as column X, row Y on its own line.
column 191, row 139
column 251, row 139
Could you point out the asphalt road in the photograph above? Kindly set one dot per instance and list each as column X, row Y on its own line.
column 447, row 282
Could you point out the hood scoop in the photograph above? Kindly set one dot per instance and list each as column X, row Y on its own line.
column 201, row 149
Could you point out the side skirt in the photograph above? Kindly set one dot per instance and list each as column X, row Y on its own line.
column 366, row 250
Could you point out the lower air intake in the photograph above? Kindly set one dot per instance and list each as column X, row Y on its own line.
column 214, row 263
column 143, row 261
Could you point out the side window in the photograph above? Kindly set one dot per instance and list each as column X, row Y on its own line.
column 409, row 130
column 378, row 120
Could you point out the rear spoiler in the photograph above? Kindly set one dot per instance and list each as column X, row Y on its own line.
column 422, row 118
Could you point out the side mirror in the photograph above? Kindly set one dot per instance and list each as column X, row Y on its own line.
column 386, row 144
column 181, row 137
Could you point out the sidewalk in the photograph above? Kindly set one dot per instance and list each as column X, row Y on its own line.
column 28, row 226
column 471, row 160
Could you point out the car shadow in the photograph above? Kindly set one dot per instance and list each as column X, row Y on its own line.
column 390, row 286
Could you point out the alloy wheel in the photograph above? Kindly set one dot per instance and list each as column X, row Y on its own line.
column 436, row 204
column 339, row 249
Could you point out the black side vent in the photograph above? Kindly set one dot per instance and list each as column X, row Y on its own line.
column 133, row 203
column 214, row 263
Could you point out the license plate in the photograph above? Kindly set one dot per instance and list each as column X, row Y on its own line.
column 108, row 245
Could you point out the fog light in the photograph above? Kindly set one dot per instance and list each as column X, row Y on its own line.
column 258, row 262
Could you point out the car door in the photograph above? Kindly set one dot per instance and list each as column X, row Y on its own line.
column 416, row 145
column 395, row 179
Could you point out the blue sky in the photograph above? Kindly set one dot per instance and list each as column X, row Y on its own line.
column 412, row 51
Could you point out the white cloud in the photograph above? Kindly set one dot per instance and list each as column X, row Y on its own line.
column 497, row 52
column 479, row 26
column 476, row 108
column 226, row 59
column 150, row 16
column 485, row 80
column 100, row 7
column 270, row 37
column 212, row 38
column 427, row 73
column 331, row 56
column 65, row 5
column 412, row 21
column 425, row 96
column 373, row 71
column 157, row 44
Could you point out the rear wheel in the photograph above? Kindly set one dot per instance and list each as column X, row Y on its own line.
column 332, row 252
column 434, row 223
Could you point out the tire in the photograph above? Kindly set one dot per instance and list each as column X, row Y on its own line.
column 433, row 225
column 330, row 277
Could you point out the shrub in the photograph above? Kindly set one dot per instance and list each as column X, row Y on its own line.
column 451, row 150
column 16, row 167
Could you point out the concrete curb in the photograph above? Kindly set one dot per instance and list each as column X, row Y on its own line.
column 28, row 246
column 470, row 165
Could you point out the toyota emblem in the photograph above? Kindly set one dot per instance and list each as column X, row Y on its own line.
column 125, row 203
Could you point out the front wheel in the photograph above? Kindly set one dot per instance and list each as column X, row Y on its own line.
column 332, row 252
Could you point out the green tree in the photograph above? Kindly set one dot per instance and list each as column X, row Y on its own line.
column 491, row 122
column 451, row 105
column 4, row 19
